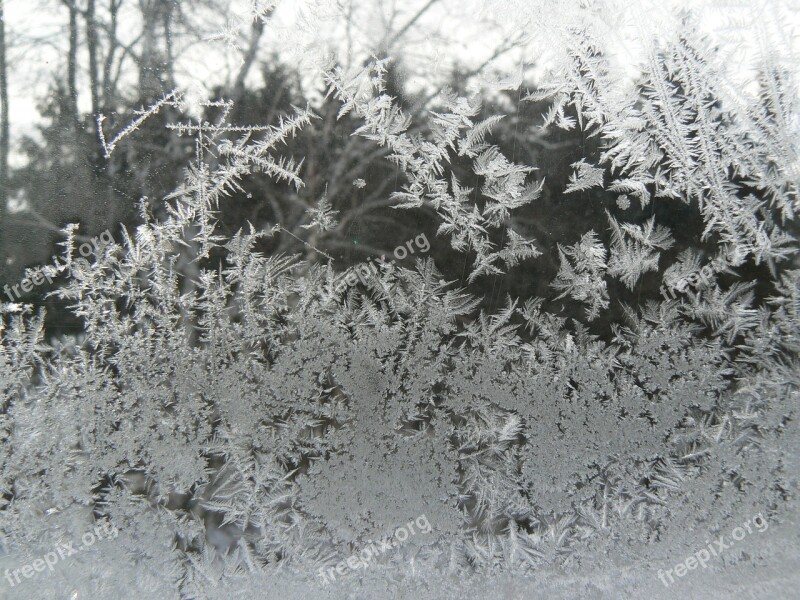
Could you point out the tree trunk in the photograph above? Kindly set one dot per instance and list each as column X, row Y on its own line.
column 169, row 10
column 4, row 121
column 91, row 39
column 151, row 64
column 108, row 84
column 72, row 61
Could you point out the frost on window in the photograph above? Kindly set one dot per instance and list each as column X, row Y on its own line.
column 368, row 299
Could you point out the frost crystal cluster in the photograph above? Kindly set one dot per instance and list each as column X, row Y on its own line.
column 247, row 424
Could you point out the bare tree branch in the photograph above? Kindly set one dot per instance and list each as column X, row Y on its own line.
column 409, row 24
column 249, row 57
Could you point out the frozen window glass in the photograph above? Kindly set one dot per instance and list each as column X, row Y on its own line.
column 378, row 299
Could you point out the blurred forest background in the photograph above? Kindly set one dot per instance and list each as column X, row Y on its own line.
column 114, row 57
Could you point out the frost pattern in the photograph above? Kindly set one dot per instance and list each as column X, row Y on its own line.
column 241, row 419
